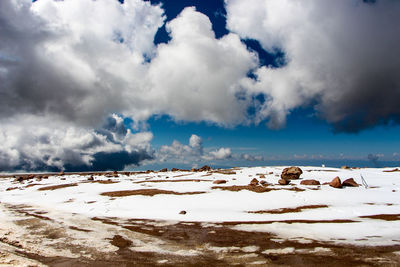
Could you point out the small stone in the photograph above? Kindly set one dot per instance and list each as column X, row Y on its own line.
column 310, row 182
column 254, row 182
column 350, row 182
column 90, row 178
column 262, row 176
column 163, row 170
column 283, row 182
column 182, row 212
column 219, row 182
column 336, row 183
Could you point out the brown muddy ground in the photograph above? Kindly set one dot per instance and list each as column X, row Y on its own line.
column 34, row 237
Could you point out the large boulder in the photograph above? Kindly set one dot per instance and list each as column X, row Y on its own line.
column 310, row 182
column 350, row 182
column 336, row 183
column 291, row 173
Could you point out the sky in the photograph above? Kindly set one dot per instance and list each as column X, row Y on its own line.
column 132, row 85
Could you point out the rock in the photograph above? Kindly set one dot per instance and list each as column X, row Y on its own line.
column 336, row 183
column 63, row 178
column 90, row 178
column 310, row 182
column 163, row 170
column 61, row 173
column 149, row 171
column 254, row 182
column 283, row 182
column 262, row 176
column 45, row 177
column 120, row 242
column 182, row 212
column 350, row 182
column 219, row 182
column 263, row 182
column 345, row 167
column 31, row 176
column 19, row 179
column 291, row 173
column 205, row 168
column 174, row 169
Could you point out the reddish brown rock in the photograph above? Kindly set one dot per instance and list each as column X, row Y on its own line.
column 310, row 182
column 262, row 176
column 291, row 173
column 174, row 169
column 182, row 212
column 283, row 182
column 61, row 173
column 91, row 178
column 263, row 182
column 205, row 168
column 219, row 182
column 350, row 182
column 253, row 182
column 163, row 170
column 31, row 176
column 336, row 183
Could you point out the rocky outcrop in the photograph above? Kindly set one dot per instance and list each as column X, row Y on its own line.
column 291, row 173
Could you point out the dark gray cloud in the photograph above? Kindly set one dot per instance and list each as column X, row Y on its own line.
column 342, row 58
column 41, row 145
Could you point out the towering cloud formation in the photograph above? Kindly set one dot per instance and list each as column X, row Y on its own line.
column 341, row 56
column 65, row 66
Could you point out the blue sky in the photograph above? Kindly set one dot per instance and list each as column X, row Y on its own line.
column 134, row 84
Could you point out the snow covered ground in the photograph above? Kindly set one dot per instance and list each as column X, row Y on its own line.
column 355, row 216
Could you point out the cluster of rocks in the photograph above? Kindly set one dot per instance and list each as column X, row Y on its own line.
column 293, row 173
column 28, row 177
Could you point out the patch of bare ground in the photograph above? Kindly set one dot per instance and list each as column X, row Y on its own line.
column 290, row 221
column 226, row 172
column 182, row 175
column 394, row 170
column 146, row 192
column 31, row 185
column 289, row 210
column 79, row 229
column 195, row 244
column 104, row 182
column 257, row 188
column 172, row 181
column 385, row 217
column 226, row 246
column 55, row 187
column 321, row 170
